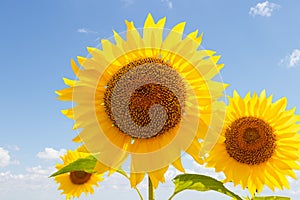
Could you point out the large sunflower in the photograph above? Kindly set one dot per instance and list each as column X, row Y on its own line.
column 75, row 183
column 150, row 96
column 259, row 144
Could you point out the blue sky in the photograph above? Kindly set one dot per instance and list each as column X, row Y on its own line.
column 258, row 40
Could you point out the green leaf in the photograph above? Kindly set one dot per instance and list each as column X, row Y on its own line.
column 200, row 183
column 86, row 164
column 271, row 198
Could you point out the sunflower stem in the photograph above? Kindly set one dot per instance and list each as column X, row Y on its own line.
column 122, row 172
column 139, row 193
column 150, row 189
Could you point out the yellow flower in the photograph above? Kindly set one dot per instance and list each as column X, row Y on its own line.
column 259, row 144
column 150, row 96
column 75, row 183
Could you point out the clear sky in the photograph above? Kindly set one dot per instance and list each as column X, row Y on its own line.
column 258, row 40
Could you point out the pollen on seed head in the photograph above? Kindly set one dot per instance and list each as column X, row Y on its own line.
column 79, row 177
column 148, row 95
column 134, row 91
column 250, row 140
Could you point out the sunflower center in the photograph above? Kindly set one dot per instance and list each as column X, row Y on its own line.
column 79, row 177
column 251, row 135
column 151, row 94
column 145, row 98
column 250, row 140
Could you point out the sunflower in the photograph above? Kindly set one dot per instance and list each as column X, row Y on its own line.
column 259, row 144
column 75, row 183
column 151, row 95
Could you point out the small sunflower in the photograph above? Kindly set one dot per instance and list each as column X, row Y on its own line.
column 150, row 96
column 259, row 144
column 75, row 183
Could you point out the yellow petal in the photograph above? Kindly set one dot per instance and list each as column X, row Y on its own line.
column 174, row 35
column 77, row 139
column 101, row 168
column 136, row 178
column 178, row 165
column 68, row 113
column 157, row 176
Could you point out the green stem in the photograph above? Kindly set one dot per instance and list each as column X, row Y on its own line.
column 171, row 197
column 122, row 172
column 139, row 193
column 150, row 189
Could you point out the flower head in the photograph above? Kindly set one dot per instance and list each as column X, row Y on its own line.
column 259, row 144
column 150, row 96
column 75, row 183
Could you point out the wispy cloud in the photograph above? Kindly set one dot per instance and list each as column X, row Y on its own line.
column 51, row 154
column 294, row 58
column 127, row 2
column 85, row 31
column 169, row 3
column 40, row 171
column 264, row 9
column 12, row 147
column 5, row 158
column 34, row 178
column 291, row 60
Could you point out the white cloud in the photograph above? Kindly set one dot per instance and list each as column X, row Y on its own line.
column 86, row 31
column 292, row 59
column 4, row 157
column 264, row 9
column 38, row 170
column 51, row 154
column 82, row 30
column 127, row 2
column 169, row 3
column 13, row 147
column 35, row 178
